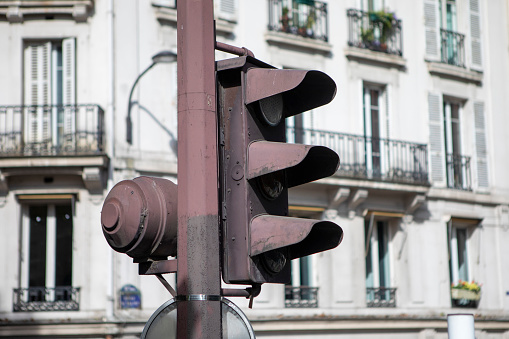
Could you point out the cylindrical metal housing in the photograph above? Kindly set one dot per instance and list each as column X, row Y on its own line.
column 139, row 218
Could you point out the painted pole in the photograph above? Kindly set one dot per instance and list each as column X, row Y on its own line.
column 198, row 270
column 460, row 326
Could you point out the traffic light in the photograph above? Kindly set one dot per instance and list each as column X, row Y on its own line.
column 257, row 166
column 139, row 218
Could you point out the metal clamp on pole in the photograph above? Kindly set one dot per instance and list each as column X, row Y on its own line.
column 198, row 297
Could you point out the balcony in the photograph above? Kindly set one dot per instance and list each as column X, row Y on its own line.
column 381, row 297
column 458, row 172
column 301, row 297
column 304, row 18
column 375, row 31
column 43, row 299
column 452, row 48
column 370, row 158
column 51, row 130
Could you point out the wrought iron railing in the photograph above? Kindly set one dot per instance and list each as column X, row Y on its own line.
column 381, row 296
column 453, row 48
column 458, row 172
column 40, row 299
column 301, row 297
column 51, row 130
column 370, row 158
column 376, row 31
column 306, row 18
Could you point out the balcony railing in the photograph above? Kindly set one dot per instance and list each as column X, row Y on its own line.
column 51, row 130
column 370, row 158
column 306, row 18
column 458, row 172
column 301, row 297
column 453, row 48
column 40, row 299
column 376, row 31
column 381, row 297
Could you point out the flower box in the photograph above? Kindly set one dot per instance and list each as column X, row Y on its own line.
column 457, row 293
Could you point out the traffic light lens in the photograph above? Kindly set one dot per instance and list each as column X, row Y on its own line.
column 271, row 109
column 274, row 261
column 272, row 184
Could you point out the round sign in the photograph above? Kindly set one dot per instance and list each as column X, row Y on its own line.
column 163, row 323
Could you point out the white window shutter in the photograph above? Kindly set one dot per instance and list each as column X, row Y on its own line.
column 226, row 9
column 436, row 142
column 69, row 93
column 475, row 35
column 37, row 92
column 480, row 145
column 69, row 71
column 432, row 30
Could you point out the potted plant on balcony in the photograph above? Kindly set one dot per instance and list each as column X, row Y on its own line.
column 465, row 293
column 285, row 19
column 383, row 22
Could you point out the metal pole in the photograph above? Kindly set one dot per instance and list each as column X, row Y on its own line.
column 198, row 276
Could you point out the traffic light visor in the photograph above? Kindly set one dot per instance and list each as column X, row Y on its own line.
column 301, row 90
column 301, row 236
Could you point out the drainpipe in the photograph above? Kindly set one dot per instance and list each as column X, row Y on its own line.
column 110, row 307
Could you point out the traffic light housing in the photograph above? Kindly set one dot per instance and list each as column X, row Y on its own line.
column 139, row 218
column 257, row 166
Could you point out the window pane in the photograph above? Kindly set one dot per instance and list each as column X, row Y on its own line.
column 63, row 260
column 383, row 254
column 461, row 234
column 37, row 250
column 369, row 264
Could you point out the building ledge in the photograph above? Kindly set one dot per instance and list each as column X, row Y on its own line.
column 466, row 196
column 169, row 14
column 17, row 11
column 358, row 323
column 91, row 169
column 454, row 72
column 382, row 59
column 298, row 41
column 373, row 185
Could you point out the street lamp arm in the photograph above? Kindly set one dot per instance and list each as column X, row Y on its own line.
column 129, row 130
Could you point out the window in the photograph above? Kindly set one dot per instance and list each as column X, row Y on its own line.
column 49, row 92
column 302, row 290
column 459, row 232
column 374, row 129
column 47, row 259
column 372, row 5
column 456, row 164
column 379, row 292
column 449, row 144
column 447, row 12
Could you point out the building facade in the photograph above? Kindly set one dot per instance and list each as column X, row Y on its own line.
column 419, row 122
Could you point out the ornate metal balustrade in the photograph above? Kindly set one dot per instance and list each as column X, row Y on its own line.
column 381, row 297
column 376, row 31
column 453, row 48
column 370, row 158
column 458, row 172
column 51, row 130
column 301, row 297
column 306, row 18
column 41, row 299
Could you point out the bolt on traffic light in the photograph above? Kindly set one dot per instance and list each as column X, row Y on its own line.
column 257, row 167
column 139, row 218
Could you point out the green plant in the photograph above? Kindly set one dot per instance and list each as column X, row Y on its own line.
column 285, row 20
column 385, row 21
column 311, row 19
column 469, row 286
column 367, row 35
